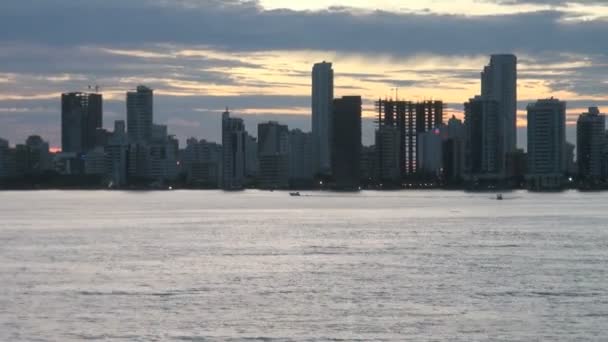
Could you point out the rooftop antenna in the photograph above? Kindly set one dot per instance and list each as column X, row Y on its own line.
column 396, row 93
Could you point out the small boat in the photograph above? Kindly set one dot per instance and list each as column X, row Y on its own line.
column 294, row 194
column 499, row 197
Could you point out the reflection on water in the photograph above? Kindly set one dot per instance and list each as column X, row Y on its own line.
column 390, row 266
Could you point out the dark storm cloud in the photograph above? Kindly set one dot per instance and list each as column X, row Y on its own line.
column 45, row 60
column 246, row 27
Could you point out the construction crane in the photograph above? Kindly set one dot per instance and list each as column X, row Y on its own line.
column 96, row 87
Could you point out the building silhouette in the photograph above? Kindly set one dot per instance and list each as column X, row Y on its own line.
column 389, row 149
column 370, row 176
column 234, row 138
column 454, row 152
column 81, row 117
column 32, row 158
column 411, row 119
column 429, row 153
column 116, row 151
column 499, row 83
column 252, row 163
column 95, row 163
column 346, row 142
column 140, row 114
column 8, row 168
column 485, row 154
column 491, row 123
column 273, row 155
column 590, row 132
column 301, row 159
column 201, row 162
column 322, row 97
column 546, row 144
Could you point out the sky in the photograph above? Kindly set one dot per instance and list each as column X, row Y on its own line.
column 256, row 57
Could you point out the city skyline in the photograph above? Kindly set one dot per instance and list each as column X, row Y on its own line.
column 266, row 77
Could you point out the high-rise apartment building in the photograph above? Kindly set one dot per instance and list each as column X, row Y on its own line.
column 485, row 153
column 499, row 83
column 140, row 114
column 301, row 159
column 590, row 132
column 33, row 157
column 546, row 144
column 7, row 162
column 234, row 138
column 81, row 117
column 116, row 152
column 454, row 151
column 322, row 97
column 346, row 142
column 273, row 155
column 252, row 163
column 201, row 162
column 411, row 119
column 388, row 150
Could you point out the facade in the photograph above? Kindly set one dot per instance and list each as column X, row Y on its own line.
column 571, row 168
column 411, row 119
column 346, row 142
column 430, row 153
column 161, row 161
column 485, row 154
column 590, row 132
column 67, row 163
column 301, row 159
column 154, row 162
column 137, row 163
column 7, row 161
column 234, row 138
column 369, row 166
column 546, row 144
column 388, row 140
column 95, row 162
column 81, row 117
column 116, row 152
column 158, row 134
column 517, row 167
column 140, row 114
column 202, row 162
column 499, row 83
column 454, row 151
column 322, row 97
column 273, row 155
column 252, row 164
column 32, row 158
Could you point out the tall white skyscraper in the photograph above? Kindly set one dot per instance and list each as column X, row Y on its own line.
column 322, row 97
column 546, row 144
column 499, row 83
column 140, row 115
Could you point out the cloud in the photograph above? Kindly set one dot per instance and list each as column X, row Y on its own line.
column 203, row 55
column 549, row 2
column 239, row 26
